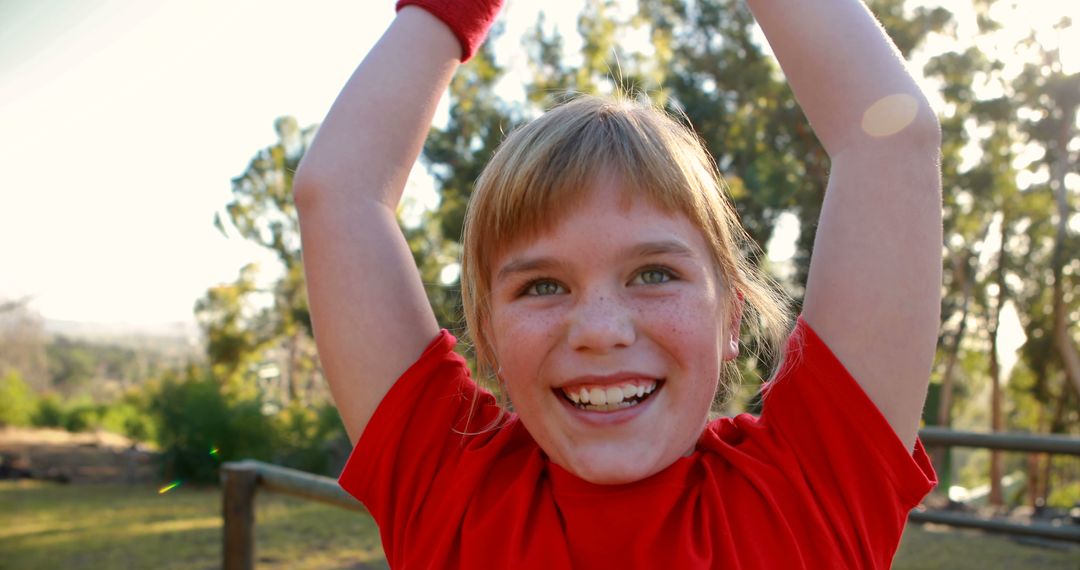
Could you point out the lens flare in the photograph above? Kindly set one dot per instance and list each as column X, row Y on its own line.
column 169, row 487
column 214, row 451
column 890, row 115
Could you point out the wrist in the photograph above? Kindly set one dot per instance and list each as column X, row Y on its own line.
column 469, row 20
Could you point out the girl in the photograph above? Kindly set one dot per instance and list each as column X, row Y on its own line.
column 604, row 286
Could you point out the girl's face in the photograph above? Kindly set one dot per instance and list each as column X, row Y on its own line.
column 609, row 331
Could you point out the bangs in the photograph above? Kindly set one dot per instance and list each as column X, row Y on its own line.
column 546, row 168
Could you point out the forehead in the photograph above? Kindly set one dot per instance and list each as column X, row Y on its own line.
column 608, row 221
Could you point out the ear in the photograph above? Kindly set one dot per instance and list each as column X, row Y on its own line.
column 731, row 334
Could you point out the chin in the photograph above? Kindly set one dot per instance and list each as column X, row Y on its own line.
column 615, row 471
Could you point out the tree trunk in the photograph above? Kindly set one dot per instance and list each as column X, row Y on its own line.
column 962, row 275
column 1062, row 338
column 995, row 418
column 1057, row 425
column 292, row 367
column 997, row 422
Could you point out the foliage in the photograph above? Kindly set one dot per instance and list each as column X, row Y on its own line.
column 70, row 366
column 195, row 418
column 199, row 424
column 82, row 415
column 241, row 327
column 50, row 412
column 22, row 343
column 312, row 440
column 17, row 402
column 128, row 418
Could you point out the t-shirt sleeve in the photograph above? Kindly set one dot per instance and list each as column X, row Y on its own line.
column 416, row 432
column 859, row 472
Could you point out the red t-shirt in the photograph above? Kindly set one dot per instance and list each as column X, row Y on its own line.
column 819, row 480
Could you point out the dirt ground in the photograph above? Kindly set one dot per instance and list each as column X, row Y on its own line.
column 92, row 457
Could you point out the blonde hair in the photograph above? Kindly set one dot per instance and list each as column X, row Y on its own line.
column 538, row 174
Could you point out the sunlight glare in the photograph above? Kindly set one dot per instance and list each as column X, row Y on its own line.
column 890, row 115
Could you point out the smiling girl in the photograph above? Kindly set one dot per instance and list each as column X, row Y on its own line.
column 604, row 284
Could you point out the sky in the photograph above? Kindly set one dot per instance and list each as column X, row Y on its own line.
column 122, row 124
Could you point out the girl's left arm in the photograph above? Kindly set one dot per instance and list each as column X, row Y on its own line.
column 873, row 291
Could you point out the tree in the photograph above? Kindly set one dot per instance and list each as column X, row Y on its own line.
column 22, row 343
column 994, row 201
column 17, row 402
column 242, row 328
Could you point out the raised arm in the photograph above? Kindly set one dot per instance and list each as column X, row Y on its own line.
column 371, row 316
column 873, row 292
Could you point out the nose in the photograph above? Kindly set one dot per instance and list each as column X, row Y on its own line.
column 601, row 322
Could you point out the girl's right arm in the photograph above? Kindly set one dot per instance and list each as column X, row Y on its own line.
column 371, row 316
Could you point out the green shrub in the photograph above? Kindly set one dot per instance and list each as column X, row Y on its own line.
column 50, row 412
column 198, row 427
column 1065, row 496
column 82, row 415
column 17, row 401
column 127, row 418
column 304, row 438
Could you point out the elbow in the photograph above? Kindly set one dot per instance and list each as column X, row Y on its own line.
column 305, row 188
column 926, row 131
column 904, row 120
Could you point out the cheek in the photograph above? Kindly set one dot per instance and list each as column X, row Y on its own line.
column 695, row 321
column 520, row 337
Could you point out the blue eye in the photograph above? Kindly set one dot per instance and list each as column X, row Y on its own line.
column 542, row 288
column 653, row 276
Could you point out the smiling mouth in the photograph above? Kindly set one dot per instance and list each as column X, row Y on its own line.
column 610, row 398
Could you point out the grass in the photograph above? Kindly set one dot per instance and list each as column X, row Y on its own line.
column 45, row 525
column 89, row 527
column 939, row 547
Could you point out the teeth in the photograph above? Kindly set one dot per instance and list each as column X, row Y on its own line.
column 614, row 395
column 597, row 396
column 609, row 398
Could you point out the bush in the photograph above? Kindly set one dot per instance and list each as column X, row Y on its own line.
column 81, row 416
column 50, row 412
column 198, row 427
column 307, row 439
column 127, row 418
column 17, row 401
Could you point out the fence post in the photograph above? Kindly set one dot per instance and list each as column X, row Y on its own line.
column 239, row 481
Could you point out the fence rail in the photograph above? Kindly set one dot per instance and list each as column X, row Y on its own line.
column 1030, row 442
column 241, row 479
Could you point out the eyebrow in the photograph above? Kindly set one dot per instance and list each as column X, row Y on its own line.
column 645, row 249
column 664, row 247
column 526, row 265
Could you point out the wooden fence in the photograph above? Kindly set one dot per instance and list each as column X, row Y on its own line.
column 241, row 479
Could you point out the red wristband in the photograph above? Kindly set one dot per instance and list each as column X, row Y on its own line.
column 470, row 20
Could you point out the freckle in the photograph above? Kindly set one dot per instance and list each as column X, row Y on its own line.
column 889, row 115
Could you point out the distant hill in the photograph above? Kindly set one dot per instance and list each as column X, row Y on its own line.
column 171, row 338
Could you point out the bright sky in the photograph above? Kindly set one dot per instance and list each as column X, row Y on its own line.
column 123, row 123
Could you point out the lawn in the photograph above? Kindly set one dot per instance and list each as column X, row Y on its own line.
column 76, row 527
column 80, row 527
